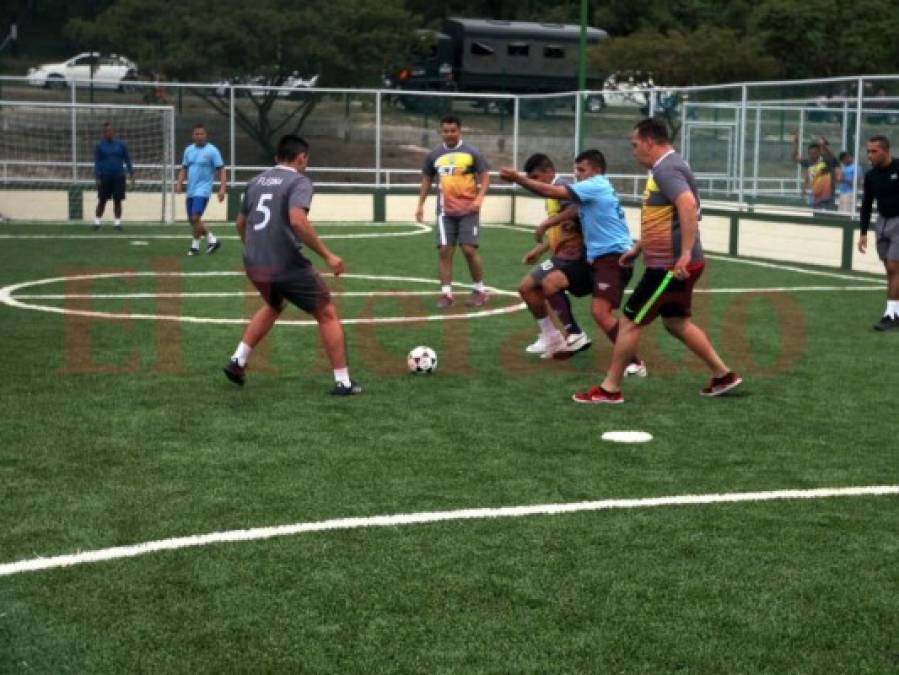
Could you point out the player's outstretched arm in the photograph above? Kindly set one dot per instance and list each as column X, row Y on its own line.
column 300, row 224
column 547, row 190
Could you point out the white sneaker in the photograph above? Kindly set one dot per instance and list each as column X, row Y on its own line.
column 537, row 347
column 636, row 370
column 555, row 345
column 577, row 342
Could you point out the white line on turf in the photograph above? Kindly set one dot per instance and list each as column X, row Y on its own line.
column 789, row 268
column 261, row 533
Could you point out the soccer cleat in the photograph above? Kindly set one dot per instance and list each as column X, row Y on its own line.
column 576, row 343
column 234, row 372
column 212, row 248
column 193, row 251
column 886, row 323
column 340, row 389
column 476, row 299
column 636, row 368
column 537, row 347
column 721, row 385
column 445, row 301
column 117, row 228
column 555, row 347
column 598, row 395
column 95, row 227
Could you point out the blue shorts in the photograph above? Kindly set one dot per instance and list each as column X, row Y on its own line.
column 196, row 206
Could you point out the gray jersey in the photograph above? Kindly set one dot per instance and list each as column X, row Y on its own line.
column 660, row 232
column 272, row 251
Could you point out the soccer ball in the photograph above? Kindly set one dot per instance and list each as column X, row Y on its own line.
column 422, row 360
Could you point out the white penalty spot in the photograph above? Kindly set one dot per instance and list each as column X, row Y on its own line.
column 627, row 436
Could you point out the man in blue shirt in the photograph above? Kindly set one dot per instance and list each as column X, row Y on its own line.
column 605, row 232
column 201, row 160
column 111, row 160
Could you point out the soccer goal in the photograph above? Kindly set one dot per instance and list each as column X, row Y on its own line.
column 46, row 146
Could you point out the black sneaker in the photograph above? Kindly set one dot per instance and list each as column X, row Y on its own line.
column 341, row 389
column 117, row 228
column 212, row 248
column 193, row 251
column 235, row 373
column 887, row 323
column 95, row 227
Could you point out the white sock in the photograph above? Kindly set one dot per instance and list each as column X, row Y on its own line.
column 118, row 222
column 479, row 286
column 195, row 244
column 210, row 238
column 892, row 308
column 242, row 354
column 547, row 328
column 447, row 290
column 96, row 221
column 342, row 376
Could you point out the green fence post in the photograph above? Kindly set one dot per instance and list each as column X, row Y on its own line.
column 235, row 194
column 76, row 203
column 379, row 207
column 733, row 245
column 848, row 235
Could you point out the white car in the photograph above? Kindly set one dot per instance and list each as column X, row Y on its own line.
column 291, row 84
column 86, row 69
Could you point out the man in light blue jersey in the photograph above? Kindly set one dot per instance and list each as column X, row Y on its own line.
column 201, row 160
column 605, row 232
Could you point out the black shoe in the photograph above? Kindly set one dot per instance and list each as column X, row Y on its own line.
column 193, row 251
column 235, row 373
column 212, row 248
column 341, row 389
column 887, row 323
column 95, row 227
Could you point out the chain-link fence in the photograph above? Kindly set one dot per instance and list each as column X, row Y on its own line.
column 739, row 138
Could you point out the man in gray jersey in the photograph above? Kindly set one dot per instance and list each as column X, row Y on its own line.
column 273, row 226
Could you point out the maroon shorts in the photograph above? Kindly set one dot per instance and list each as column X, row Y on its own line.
column 610, row 279
column 674, row 300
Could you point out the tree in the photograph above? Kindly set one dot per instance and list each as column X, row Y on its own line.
column 348, row 43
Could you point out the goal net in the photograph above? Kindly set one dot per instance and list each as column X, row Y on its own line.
column 52, row 145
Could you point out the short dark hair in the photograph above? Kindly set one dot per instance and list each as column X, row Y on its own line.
column 290, row 146
column 107, row 125
column 653, row 128
column 199, row 125
column 843, row 155
column 594, row 157
column 538, row 162
column 450, row 119
column 813, row 146
column 882, row 141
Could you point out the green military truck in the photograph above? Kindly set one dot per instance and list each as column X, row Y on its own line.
column 486, row 55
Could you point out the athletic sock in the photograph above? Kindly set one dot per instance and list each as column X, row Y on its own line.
column 547, row 328
column 117, row 222
column 96, row 221
column 196, row 244
column 561, row 305
column 210, row 238
column 242, row 354
column 892, row 308
column 479, row 286
column 447, row 290
column 342, row 376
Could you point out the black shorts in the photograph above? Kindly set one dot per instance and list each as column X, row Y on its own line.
column 304, row 289
column 609, row 278
column 111, row 187
column 578, row 273
column 674, row 300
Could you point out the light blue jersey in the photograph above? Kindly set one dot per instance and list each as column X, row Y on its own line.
column 201, row 163
column 602, row 218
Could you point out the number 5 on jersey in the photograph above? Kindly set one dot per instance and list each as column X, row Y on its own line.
column 266, row 211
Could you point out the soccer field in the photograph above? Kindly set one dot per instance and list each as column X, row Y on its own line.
column 515, row 540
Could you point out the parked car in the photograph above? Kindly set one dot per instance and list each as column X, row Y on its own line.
column 293, row 82
column 107, row 71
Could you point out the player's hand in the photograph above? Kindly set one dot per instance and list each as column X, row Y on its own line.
column 476, row 205
column 530, row 257
column 862, row 243
column 420, row 214
column 335, row 264
column 680, row 267
column 509, row 174
column 628, row 257
column 540, row 232
column 221, row 195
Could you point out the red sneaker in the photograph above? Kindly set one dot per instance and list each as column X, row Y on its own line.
column 476, row 299
column 445, row 301
column 597, row 395
column 722, row 385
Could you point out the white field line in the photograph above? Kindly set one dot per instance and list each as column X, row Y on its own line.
column 261, row 533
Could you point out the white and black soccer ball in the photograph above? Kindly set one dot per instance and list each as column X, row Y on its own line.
column 422, row 360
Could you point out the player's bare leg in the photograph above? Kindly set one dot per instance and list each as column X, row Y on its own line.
column 892, row 268
column 890, row 319
column 601, row 309
column 98, row 213
column 331, row 332
column 533, row 296
column 473, row 258
column 258, row 327
column 626, row 343
column 697, row 342
column 445, row 267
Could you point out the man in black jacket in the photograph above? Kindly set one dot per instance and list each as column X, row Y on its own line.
column 882, row 184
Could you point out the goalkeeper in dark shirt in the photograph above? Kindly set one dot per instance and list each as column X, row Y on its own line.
column 882, row 184
column 111, row 160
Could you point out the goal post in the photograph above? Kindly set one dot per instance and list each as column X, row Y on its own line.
column 51, row 146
